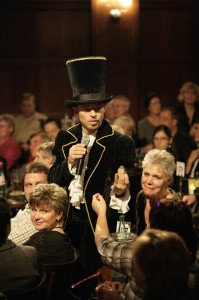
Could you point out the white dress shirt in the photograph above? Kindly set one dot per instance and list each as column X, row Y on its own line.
column 76, row 186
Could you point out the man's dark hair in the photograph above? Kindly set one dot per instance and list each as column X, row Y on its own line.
column 174, row 113
column 36, row 167
column 174, row 215
column 5, row 216
column 50, row 120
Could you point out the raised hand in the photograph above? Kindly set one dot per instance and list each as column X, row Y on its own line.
column 99, row 204
column 121, row 182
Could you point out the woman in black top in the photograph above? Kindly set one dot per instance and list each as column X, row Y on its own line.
column 188, row 108
column 48, row 204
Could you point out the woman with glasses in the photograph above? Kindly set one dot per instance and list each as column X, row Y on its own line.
column 162, row 138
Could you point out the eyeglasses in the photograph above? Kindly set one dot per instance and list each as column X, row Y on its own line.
column 161, row 139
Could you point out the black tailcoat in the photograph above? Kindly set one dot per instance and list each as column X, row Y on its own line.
column 109, row 151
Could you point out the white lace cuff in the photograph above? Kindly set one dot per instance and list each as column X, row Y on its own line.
column 75, row 192
column 120, row 203
column 72, row 169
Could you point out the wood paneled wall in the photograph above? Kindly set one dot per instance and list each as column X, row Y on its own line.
column 154, row 47
column 37, row 37
column 118, row 41
column 168, row 48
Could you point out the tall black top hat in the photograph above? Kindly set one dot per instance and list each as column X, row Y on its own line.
column 87, row 79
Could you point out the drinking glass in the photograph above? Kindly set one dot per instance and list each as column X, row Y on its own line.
column 16, row 181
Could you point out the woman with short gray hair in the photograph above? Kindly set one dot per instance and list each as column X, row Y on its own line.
column 157, row 175
column 161, row 158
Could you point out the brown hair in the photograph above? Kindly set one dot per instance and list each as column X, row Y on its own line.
column 164, row 260
column 51, row 195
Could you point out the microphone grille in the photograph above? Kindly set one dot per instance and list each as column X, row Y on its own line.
column 85, row 140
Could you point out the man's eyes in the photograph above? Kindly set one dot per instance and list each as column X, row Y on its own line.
column 89, row 108
column 28, row 185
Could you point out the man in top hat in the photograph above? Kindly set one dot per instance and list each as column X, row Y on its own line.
column 91, row 158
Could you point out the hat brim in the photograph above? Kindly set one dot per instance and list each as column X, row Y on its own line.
column 90, row 101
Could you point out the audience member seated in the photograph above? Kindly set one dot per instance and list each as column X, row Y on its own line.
column 3, row 160
column 109, row 112
column 182, row 143
column 175, row 216
column 121, row 115
column 70, row 118
column 21, row 225
column 147, row 125
column 9, row 148
column 35, row 140
column 29, row 121
column 51, row 127
column 121, row 106
column 188, row 108
column 49, row 205
column 162, row 138
column 118, row 128
column 192, row 171
column 195, row 133
column 44, row 154
column 162, row 265
column 18, row 264
column 157, row 175
column 127, row 123
column 192, row 164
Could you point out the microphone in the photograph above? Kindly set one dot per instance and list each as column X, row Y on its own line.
column 85, row 140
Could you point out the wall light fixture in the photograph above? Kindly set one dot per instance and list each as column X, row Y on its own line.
column 117, row 7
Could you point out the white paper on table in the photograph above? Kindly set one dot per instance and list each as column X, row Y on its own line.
column 180, row 168
column 127, row 226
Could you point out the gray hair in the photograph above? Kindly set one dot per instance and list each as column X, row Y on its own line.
column 8, row 119
column 49, row 194
column 46, row 149
column 126, row 120
column 43, row 136
column 162, row 159
column 123, row 98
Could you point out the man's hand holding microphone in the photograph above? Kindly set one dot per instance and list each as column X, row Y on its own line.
column 77, row 154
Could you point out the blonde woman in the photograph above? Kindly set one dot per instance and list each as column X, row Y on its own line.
column 188, row 107
column 48, row 205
